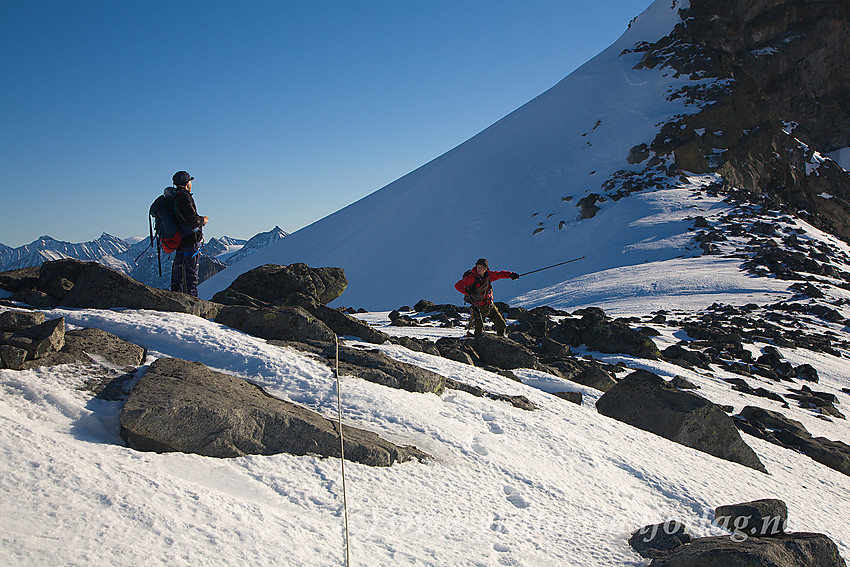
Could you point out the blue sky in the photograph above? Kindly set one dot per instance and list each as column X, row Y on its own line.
column 283, row 111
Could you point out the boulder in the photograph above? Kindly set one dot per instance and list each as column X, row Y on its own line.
column 345, row 325
column 574, row 397
column 287, row 285
column 502, row 352
column 659, row 539
column 19, row 280
column 375, row 366
column 759, row 518
column 615, row 337
column 95, row 286
column 39, row 340
column 186, row 407
column 279, row 323
column 12, row 357
column 93, row 346
column 14, row 319
column 520, row 402
column 787, row 550
column 646, row 401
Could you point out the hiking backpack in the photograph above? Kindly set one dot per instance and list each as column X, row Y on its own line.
column 164, row 228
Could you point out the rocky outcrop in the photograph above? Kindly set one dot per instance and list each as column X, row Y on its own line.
column 72, row 283
column 279, row 323
column 646, row 401
column 26, row 339
column 774, row 427
column 271, row 287
column 184, row 406
column 295, row 284
column 375, row 366
column 781, row 92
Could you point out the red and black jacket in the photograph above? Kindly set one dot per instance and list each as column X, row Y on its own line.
column 477, row 287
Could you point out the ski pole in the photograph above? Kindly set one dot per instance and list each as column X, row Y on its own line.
column 552, row 266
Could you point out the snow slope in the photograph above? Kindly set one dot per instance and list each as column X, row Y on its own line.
column 487, row 197
column 562, row 485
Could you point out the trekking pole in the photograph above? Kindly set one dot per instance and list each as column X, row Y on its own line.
column 552, row 266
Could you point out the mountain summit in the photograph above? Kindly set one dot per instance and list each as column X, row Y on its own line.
column 610, row 163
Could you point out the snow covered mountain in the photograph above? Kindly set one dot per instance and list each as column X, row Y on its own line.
column 132, row 256
column 636, row 138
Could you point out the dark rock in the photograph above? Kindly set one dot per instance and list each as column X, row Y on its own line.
column 678, row 354
column 35, row 298
column 520, row 402
column 503, row 352
column 345, row 325
column 186, row 407
column 614, row 337
column 96, row 286
column 423, row 305
column 12, row 357
column 288, row 285
column 759, row 518
column 776, row 428
column 588, row 205
column 638, row 154
column 806, row 372
column 94, row 346
column 683, row 383
column 13, row 320
column 280, row 323
column 418, row 345
column 19, row 280
column 660, row 539
column 375, row 366
column 596, row 377
column 788, row 550
column 646, row 401
column 39, row 340
column 574, row 397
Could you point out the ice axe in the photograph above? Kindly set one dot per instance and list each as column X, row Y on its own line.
column 552, row 266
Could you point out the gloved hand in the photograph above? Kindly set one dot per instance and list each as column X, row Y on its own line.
column 514, row 276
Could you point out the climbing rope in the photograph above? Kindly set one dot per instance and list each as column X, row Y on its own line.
column 341, row 447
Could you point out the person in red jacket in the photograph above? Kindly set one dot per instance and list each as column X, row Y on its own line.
column 476, row 287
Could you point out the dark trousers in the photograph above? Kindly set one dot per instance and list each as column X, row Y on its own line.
column 482, row 312
column 184, row 271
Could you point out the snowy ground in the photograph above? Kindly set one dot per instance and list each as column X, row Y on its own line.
column 559, row 486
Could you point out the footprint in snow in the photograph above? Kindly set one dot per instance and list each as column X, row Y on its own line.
column 515, row 498
column 492, row 425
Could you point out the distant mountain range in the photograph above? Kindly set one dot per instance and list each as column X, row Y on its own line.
column 134, row 256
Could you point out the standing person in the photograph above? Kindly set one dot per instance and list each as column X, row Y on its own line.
column 478, row 291
column 184, row 270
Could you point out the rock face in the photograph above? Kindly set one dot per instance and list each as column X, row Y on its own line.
column 784, row 94
column 646, row 401
column 184, row 406
column 286, row 285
